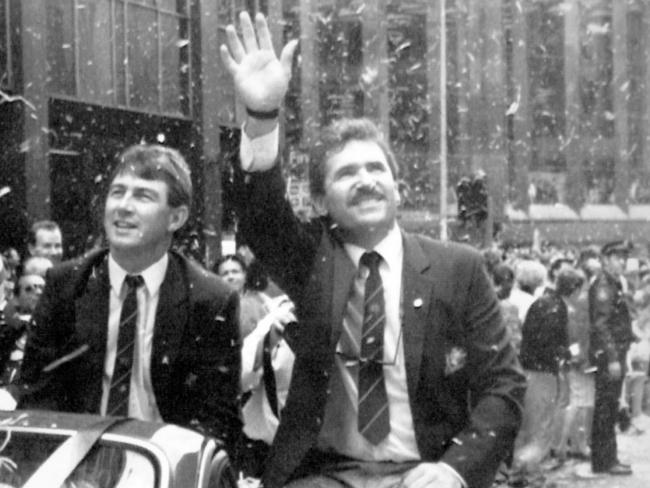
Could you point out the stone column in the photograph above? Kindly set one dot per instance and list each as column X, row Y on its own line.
column 374, row 73
column 520, row 109
column 575, row 175
column 309, row 72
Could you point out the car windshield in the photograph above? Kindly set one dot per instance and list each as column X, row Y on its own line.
column 107, row 465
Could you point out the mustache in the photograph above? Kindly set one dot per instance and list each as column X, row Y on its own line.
column 365, row 192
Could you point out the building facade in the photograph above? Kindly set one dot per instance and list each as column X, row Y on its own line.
column 549, row 98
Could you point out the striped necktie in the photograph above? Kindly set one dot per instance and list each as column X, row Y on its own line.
column 373, row 415
column 118, row 396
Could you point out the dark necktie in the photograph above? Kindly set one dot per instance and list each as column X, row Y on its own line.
column 373, row 416
column 118, row 396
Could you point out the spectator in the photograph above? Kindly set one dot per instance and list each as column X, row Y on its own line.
column 267, row 365
column 386, row 408
column 46, row 240
column 254, row 303
column 544, row 356
column 504, row 279
column 529, row 276
column 611, row 327
column 137, row 329
column 27, row 292
column 267, row 360
column 556, row 264
column 37, row 265
column 638, row 359
column 575, row 432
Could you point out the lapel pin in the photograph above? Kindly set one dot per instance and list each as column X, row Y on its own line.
column 165, row 359
column 417, row 303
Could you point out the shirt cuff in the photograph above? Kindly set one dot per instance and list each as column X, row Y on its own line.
column 259, row 153
column 454, row 473
column 7, row 401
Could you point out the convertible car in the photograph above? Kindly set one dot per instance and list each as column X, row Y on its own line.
column 40, row 449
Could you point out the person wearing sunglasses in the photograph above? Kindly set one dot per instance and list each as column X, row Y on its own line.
column 27, row 292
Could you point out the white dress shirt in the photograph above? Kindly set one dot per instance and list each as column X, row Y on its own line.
column 259, row 421
column 142, row 401
column 340, row 431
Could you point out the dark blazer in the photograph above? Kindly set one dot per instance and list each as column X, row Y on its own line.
column 545, row 334
column 195, row 363
column 464, row 382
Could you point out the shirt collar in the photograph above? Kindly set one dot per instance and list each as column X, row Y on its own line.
column 153, row 276
column 390, row 248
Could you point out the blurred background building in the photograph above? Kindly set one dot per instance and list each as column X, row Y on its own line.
column 550, row 99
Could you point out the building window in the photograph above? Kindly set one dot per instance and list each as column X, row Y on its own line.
column 126, row 53
column 228, row 10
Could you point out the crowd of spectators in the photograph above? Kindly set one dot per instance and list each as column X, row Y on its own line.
column 545, row 302
column 545, row 299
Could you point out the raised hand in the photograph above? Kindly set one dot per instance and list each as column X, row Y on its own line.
column 261, row 79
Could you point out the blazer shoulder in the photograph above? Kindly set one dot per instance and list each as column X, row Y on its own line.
column 202, row 283
column 447, row 250
column 70, row 277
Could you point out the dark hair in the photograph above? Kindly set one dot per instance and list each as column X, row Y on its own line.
column 556, row 265
column 230, row 257
column 334, row 138
column 157, row 162
column 257, row 279
column 49, row 225
column 568, row 281
column 504, row 279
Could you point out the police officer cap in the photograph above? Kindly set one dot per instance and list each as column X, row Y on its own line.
column 616, row 247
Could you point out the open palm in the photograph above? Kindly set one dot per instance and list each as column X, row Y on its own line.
column 261, row 79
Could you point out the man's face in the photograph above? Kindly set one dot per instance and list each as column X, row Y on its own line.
column 615, row 263
column 30, row 289
column 138, row 218
column 361, row 193
column 49, row 244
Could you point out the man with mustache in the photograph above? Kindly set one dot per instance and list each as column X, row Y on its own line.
column 404, row 372
column 137, row 329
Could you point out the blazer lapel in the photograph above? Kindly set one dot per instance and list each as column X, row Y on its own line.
column 344, row 271
column 418, row 288
column 91, row 313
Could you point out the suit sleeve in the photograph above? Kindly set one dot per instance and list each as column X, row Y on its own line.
column 283, row 243
column 496, row 385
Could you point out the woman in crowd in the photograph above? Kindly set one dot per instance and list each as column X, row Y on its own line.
column 267, row 360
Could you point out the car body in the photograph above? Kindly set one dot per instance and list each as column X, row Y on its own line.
column 129, row 453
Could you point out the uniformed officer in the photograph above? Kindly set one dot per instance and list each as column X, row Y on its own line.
column 611, row 335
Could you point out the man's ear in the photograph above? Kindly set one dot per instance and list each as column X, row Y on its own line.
column 30, row 249
column 318, row 202
column 177, row 218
